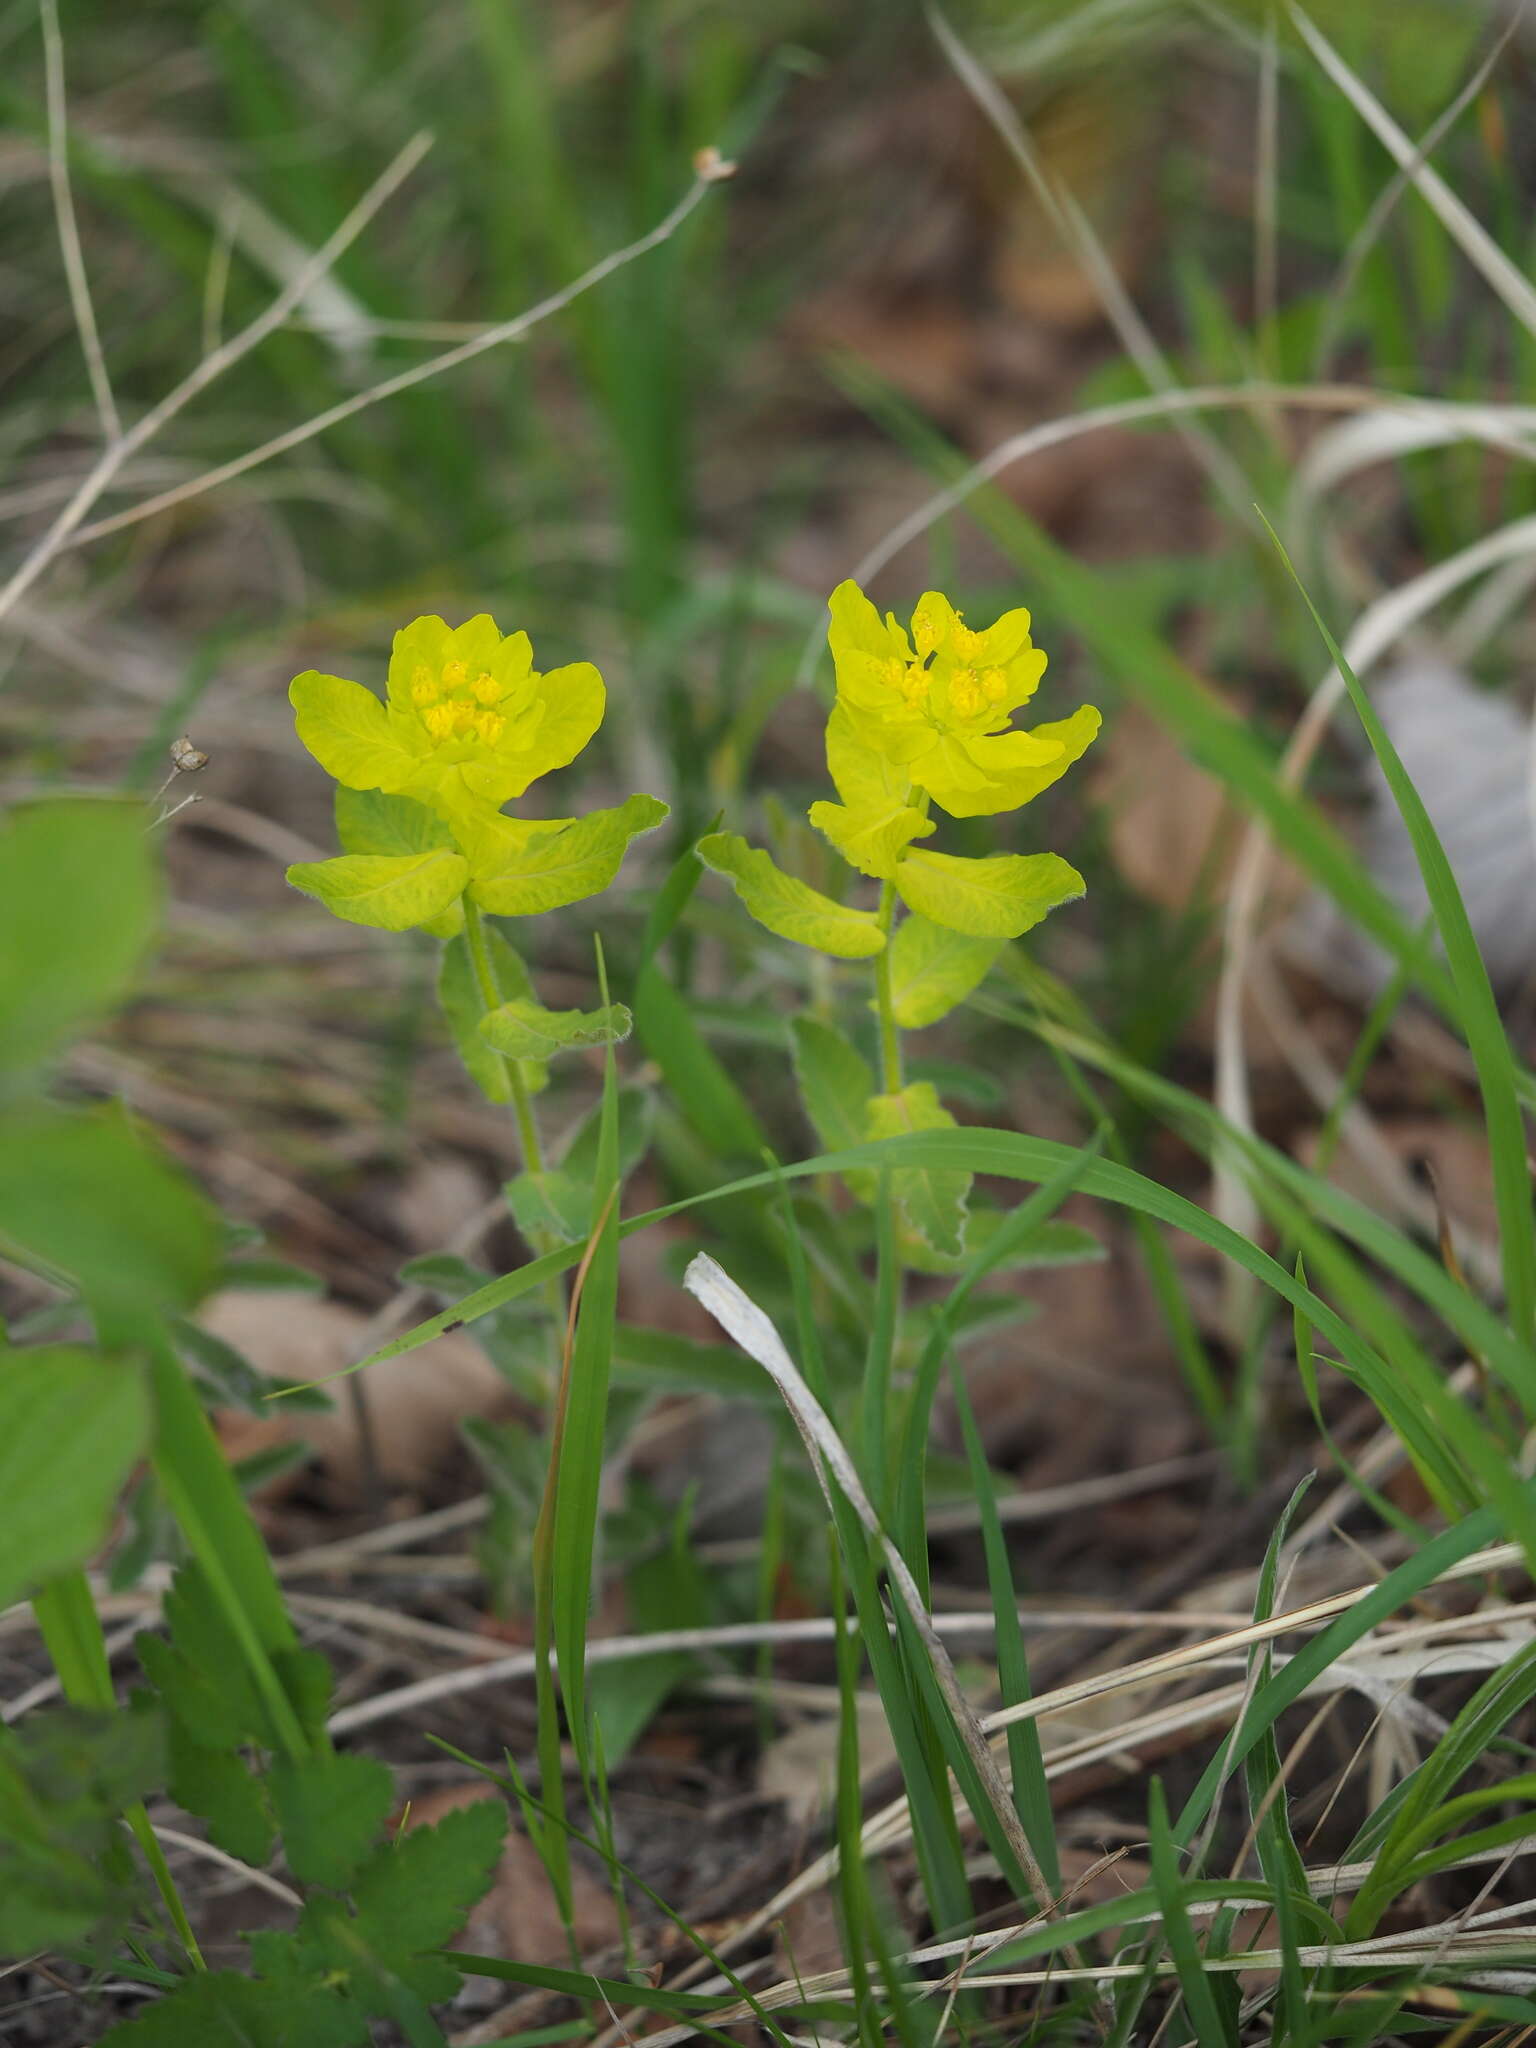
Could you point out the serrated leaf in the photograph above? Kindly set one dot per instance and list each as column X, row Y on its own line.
column 931, row 1199
column 89, row 1197
column 933, row 969
column 391, row 892
column 222, row 1790
column 72, row 1427
column 836, row 1084
column 369, row 821
column 79, row 902
column 66, row 1775
column 201, row 1673
column 522, row 868
column 409, row 1897
column 458, row 993
column 331, row 1809
column 996, row 898
column 787, row 907
column 525, row 1030
column 305, row 1676
column 224, row 2009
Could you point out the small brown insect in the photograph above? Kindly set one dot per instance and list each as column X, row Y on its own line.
column 185, row 758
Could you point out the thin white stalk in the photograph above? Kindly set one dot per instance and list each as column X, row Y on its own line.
column 68, row 227
column 1077, row 231
column 1377, row 629
column 405, row 380
column 1434, row 420
column 741, row 1318
column 1473, row 239
column 64, row 528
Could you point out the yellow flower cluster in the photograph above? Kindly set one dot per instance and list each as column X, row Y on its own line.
column 935, row 704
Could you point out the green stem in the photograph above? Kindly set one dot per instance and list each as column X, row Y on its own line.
column 71, row 1629
column 890, row 1037
column 485, row 981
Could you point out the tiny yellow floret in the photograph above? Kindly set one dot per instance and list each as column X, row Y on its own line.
column 994, row 686
column 490, row 725
column 965, row 697
column 438, row 719
column 925, row 630
column 914, row 684
column 486, row 688
column 454, row 673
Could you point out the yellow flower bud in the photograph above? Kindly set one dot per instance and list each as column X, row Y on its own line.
column 490, row 725
column 994, row 686
column 914, row 685
column 454, row 673
column 486, row 688
column 964, row 641
column 925, row 632
column 423, row 689
column 438, row 719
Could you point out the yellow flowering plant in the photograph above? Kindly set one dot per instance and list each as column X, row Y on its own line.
column 923, row 719
column 466, row 725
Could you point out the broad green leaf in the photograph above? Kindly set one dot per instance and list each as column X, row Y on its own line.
column 525, row 1030
column 458, row 993
column 368, row 821
column 79, row 901
column 930, row 1199
column 871, row 836
column 789, row 907
column 933, row 969
column 391, row 892
column 82, row 1193
column 520, row 869
column 331, row 1808
column 72, row 1427
column 997, row 898
column 836, row 1084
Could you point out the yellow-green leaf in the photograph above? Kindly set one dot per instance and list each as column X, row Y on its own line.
column 876, row 819
column 348, row 731
column 392, row 892
column 931, row 1199
column 997, row 898
column 933, row 969
column 789, row 907
column 525, row 1030
column 368, row 821
column 835, row 1089
column 520, row 868
column 871, row 837
column 459, row 998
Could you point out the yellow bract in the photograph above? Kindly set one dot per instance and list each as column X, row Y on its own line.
column 469, row 721
column 935, row 705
